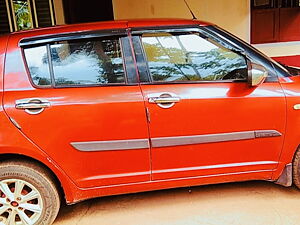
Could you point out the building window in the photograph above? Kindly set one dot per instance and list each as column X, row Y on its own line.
column 22, row 14
column 5, row 24
column 18, row 15
column 275, row 21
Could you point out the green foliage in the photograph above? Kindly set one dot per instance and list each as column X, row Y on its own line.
column 23, row 15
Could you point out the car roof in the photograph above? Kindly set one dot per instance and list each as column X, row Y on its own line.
column 118, row 24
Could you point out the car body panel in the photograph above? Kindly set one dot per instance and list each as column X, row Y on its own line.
column 291, row 89
column 84, row 114
column 130, row 170
column 214, row 109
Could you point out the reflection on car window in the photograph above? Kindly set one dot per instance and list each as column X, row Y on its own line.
column 37, row 60
column 190, row 57
column 89, row 62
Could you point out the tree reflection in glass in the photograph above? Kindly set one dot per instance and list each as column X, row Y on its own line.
column 37, row 61
column 87, row 62
column 189, row 57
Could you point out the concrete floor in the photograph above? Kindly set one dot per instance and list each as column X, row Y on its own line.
column 246, row 203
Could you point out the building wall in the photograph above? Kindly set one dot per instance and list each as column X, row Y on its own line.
column 59, row 12
column 232, row 15
column 280, row 49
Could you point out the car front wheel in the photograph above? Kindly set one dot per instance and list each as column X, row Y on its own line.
column 28, row 194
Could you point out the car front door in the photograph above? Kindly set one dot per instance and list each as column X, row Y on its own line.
column 81, row 104
column 204, row 118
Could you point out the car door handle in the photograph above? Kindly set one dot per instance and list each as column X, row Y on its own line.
column 32, row 105
column 164, row 100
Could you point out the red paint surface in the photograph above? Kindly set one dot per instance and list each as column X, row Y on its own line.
column 119, row 113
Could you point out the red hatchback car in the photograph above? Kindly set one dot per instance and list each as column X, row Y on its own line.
column 119, row 107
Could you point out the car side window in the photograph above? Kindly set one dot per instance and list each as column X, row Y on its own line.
column 188, row 56
column 77, row 63
column 38, row 64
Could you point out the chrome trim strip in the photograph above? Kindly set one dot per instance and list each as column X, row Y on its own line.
column 210, row 138
column 267, row 133
column 171, row 141
column 111, row 145
column 218, row 166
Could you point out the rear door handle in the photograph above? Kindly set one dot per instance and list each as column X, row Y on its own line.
column 32, row 105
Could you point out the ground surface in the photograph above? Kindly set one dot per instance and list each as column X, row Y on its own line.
column 224, row 204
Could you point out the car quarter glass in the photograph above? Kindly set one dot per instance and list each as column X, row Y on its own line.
column 38, row 64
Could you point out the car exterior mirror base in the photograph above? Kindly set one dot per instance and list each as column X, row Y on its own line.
column 256, row 75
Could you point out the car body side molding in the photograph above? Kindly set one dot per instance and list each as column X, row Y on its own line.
column 132, row 144
column 111, row 145
column 211, row 138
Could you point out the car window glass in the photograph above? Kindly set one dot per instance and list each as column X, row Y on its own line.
column 38, row 64
column 190, row 57
column 87, row 62
column 78, row 63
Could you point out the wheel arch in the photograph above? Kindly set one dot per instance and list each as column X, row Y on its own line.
column 63, row 183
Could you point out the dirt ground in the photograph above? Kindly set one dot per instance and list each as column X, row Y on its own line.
column 249, row 203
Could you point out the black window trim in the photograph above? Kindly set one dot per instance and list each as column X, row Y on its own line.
column 127, row 58
column 141, row 62
column 250, row 52
column 175, row 29
column 50, row 38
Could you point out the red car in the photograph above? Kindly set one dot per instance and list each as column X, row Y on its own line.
column 119, row 107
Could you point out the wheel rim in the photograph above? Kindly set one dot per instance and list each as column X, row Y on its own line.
column 20, row 203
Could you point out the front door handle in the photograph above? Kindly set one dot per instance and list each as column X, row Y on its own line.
column 164, row 100
column 32, row 105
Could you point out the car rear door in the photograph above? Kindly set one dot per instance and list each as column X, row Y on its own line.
column 204, row 119
column 78, row 100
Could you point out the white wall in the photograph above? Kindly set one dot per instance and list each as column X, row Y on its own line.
column 232, row 15
column 59, row 12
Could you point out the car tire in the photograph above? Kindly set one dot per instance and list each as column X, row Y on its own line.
column 296, row 169
column 27, row 193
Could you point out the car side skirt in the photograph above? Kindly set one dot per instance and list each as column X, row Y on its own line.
column 87, row 193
